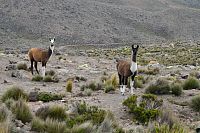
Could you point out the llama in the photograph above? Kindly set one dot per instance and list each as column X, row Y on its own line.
column 39, row 55
column 126, row 70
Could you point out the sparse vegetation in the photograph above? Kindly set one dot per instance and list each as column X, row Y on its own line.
column 191, row 83
column 48, row 78
column 109, row 88
column 56, row 112
column 150, row 71
column 46, row 97
column 37, row 78
column 22, row 66
column 37, row 125
column 87, row 92
column 147, row 110
column 21, row 111
column 176, row 89
column 92, row 85
column 50, row 73
column 195, row 103
column 69, row 86
column 161, row 86
column 15, row 93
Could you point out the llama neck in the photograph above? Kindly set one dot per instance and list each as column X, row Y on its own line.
column 49, row 53
column 133, row 67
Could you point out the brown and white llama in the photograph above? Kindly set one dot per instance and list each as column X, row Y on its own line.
column 39, row 55
column 126, row 69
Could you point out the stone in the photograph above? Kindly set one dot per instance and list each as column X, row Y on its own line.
column 11, row 67
column 33, row 96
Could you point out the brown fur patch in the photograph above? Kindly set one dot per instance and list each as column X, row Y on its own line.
column 38, row 54
column 123, row 68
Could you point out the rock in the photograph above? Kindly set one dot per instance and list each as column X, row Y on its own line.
column 19, row 123
column 33, row 96
column 16, row 74
column 5, row 81
column 11, row 67
column 184, row 76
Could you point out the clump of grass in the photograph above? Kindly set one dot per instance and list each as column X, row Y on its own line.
column 37, row 78
column 46, row 97
column 21, row 111
column 150, row 71
column 195, row 103
column 56, row 112
column 191, row 83
column 92, row 85
column 109, row 88
column 37, row 125
column 86, row 127
column 49, row 125
column 5, row 127
column 15, row 93
column 176, row 89
column 54, row 126
column 22, row 66
column 87, row 92
column 50, row 73
column 4, row 113
column 48, row 78
column 69, row 86
column 161, row 86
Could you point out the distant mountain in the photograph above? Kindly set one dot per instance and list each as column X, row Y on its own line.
column 98, row 21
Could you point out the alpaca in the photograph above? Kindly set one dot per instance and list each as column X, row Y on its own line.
column 40, row 55
column 126, row 70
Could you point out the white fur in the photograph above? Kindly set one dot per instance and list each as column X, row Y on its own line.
column 43, row 71
column 123, row 89
column 133, row 67
column 52, row 48
column 52, row 40
column 132, row 86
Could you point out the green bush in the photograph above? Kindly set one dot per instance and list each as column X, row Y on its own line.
column 69, row 86
column 147, row 110
column 191, row 83
column 87, row 113
column 46, row 97
column 195, row 103
column 22, row 66
column 15, row 93
column 21, row 111
column 37, row 78
column 53, row 112
column 92, row 85
column 176, row 89
column 161, row 86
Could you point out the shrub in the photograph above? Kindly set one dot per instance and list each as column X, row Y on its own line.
column 46, row 97
column 15, row 93
column 87, row 92
column 53, row 112
column 69, row 86
column 195, row 103
column 191, row 83
column 87, row 113
column 50, row 73
column 21, row 111
column 37, row 125
column 92, row 86
column 37, row 78
column 22, row 66
column 48, row 78
column 109, row 88
column 161, row 86
column 176, row 89
column 148, row 108
column 54, row 126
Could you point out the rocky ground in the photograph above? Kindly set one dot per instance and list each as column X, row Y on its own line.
column 92, row 64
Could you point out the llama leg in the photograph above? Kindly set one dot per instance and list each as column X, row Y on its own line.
column 36, row 67
column 125, row 83
column 43, row 69
column 132, row 82
column 32, row 67
column 120, row 82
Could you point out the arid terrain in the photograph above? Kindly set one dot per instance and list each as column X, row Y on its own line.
column 93, row 63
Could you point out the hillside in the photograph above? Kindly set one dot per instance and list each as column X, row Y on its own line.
column 23, row 23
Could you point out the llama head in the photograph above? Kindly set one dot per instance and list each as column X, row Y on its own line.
column 52, row 40
column 134, row 52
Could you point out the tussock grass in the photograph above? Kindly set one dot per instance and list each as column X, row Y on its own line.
column 195, row 103
column 48, row 78
column 22, row 66
column 46, row 97
column 56, row 112
column 15, row 93
column 50, row 73
column 21, row 111
column 37, row 125
column 69, row 86
column 191, row 83
column 37, row 78
column 176, row 89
